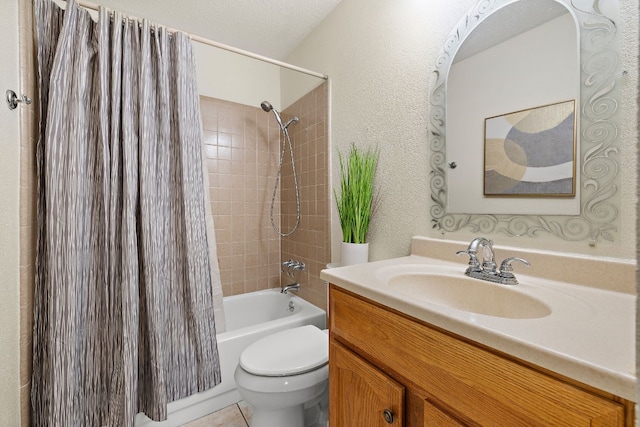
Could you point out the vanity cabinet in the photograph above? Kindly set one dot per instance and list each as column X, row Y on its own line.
column 364, row 396
column 383, row 360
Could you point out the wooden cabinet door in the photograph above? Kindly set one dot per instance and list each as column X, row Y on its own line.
column 434, row 417
column 361, row 395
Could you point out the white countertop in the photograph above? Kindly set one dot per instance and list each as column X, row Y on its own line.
column 589, row 335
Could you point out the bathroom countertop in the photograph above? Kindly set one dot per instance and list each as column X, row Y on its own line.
column 589, row 335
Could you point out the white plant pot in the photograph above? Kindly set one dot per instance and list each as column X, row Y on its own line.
column 354, row 253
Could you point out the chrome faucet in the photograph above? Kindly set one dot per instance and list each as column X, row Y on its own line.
column 487, row 270
column 292, row 287
column 488, row 258
column 292, row 266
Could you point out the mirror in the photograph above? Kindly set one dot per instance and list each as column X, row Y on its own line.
column 521, row 56
column 481, row 73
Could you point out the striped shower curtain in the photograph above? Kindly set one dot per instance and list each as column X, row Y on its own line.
column 124, row 314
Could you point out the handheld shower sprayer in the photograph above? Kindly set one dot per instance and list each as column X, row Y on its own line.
column 266, row 106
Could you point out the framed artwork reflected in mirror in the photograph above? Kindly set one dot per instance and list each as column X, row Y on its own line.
column 532, row 152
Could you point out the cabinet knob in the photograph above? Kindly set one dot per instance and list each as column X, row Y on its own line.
column 388, row 416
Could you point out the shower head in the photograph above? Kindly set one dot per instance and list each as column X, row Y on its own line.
column 266, row 106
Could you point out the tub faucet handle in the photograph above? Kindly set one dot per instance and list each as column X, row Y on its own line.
column 287, row 264
column 292, row 266
column 298, row 266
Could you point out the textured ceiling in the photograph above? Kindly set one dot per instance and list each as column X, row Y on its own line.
column 271, row 28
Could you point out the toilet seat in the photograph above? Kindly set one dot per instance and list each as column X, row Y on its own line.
column 298, row 384
column 290, row 352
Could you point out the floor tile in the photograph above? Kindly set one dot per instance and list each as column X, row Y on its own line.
column 246, row 410
column 226, row 417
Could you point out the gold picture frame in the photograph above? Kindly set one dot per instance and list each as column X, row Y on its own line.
column 532, row 152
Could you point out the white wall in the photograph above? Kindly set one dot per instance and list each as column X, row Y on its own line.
column 380, row 56
column 294, row 85
column 237, row 78
column 9, row 222
column 232, row 77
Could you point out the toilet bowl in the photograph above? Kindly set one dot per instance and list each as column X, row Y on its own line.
column 284, row 377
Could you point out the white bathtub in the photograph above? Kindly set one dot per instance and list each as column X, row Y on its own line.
column 249, row 317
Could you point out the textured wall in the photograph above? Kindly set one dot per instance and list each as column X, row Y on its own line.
column 28, row 228
column 380, row 56
column 629, row 48
column 9, row 223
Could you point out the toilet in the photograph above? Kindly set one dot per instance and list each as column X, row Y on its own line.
column 284, row 377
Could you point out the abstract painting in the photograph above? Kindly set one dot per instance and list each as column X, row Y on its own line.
column 531, row 153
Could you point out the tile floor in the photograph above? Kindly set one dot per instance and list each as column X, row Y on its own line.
column 238, row 415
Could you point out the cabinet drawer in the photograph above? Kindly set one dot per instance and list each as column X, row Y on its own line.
column 480, row 387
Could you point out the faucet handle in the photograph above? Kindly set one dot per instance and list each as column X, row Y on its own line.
column 298, row 265
column 292, row 266
column 287, row 264
column 474, row 265
column 506, row 264
column 506, row 270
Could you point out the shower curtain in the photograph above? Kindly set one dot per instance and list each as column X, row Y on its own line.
column 123, row 312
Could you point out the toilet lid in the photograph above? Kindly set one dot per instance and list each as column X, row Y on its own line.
column 290, row 352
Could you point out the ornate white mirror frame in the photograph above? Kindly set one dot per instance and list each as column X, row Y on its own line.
column 600, row 141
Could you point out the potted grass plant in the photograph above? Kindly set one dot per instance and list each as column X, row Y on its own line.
column 356, row 202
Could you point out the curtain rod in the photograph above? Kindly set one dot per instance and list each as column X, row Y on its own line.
column 203, row 40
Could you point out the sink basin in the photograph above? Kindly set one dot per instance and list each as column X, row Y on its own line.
column 471, row 295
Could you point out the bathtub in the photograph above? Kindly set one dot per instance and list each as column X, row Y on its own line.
column 249, row 317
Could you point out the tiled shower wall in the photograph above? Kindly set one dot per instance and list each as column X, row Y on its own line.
column 310, row 243
column 242, row 146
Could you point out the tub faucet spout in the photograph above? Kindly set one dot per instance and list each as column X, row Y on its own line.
column 292, row 287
